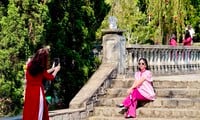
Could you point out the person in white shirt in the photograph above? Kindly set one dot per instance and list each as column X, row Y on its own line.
column 191, row 31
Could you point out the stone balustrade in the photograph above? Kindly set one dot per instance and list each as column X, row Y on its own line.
column 164, row 59
column 85, row 100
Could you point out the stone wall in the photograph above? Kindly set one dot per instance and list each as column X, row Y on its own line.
column 85, row 100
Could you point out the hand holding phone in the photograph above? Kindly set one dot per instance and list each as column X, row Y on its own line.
column 56, row 61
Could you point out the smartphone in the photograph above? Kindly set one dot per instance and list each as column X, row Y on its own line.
column 56, row 61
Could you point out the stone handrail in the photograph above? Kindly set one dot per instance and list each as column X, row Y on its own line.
column 164, row 59
column 85, row 100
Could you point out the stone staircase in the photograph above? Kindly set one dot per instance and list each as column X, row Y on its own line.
column 178, row 98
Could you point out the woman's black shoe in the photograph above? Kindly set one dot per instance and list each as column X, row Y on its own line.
column 128, row 116
column 123, row 110
column 120, row 105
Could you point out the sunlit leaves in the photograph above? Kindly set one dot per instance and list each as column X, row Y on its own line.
column 22, row 29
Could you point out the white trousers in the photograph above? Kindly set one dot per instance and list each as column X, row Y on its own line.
column 41, row 106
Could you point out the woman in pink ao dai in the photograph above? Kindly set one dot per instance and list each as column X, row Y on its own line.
column 141, row 90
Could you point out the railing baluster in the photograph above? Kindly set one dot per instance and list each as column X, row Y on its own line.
column 165, row 59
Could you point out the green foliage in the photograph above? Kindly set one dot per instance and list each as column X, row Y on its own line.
column 171, row 17
column 22, row 30
column 129, row 19
column 12, row 40
column 153, row 20
column 71, row 36
column 195, row 18
column 70, row 30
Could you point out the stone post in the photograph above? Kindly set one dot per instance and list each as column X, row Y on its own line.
column 114, row 49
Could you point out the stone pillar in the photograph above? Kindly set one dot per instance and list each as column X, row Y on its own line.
column 114, row 48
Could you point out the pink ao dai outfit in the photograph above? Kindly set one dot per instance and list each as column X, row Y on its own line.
column 144, row 92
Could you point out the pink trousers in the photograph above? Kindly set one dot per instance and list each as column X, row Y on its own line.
column 131, row 102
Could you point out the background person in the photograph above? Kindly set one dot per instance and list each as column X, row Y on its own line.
column 191, row 31
column 187, row 41
column 141, row 90
column 172, row 41
column 35, row 106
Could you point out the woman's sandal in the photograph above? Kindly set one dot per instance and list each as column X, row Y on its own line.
column 123, row 110
column 129, row 116
column 120, row 105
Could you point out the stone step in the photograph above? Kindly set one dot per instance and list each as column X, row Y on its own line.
column 178, row 92
column 161, row 92
column 193, row 103
column 159, row 83
column 169, row 113
column 178, row 98
column 19, row 117
column 195, row 84
column 122, row 118
column 150, row 112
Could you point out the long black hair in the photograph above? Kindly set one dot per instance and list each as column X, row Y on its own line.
column 39, row 62
column 187, row 34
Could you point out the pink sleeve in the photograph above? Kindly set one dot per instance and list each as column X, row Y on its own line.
column 148, row 76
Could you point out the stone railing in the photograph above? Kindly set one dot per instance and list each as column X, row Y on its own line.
column 164, row 59
column 83, row 103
